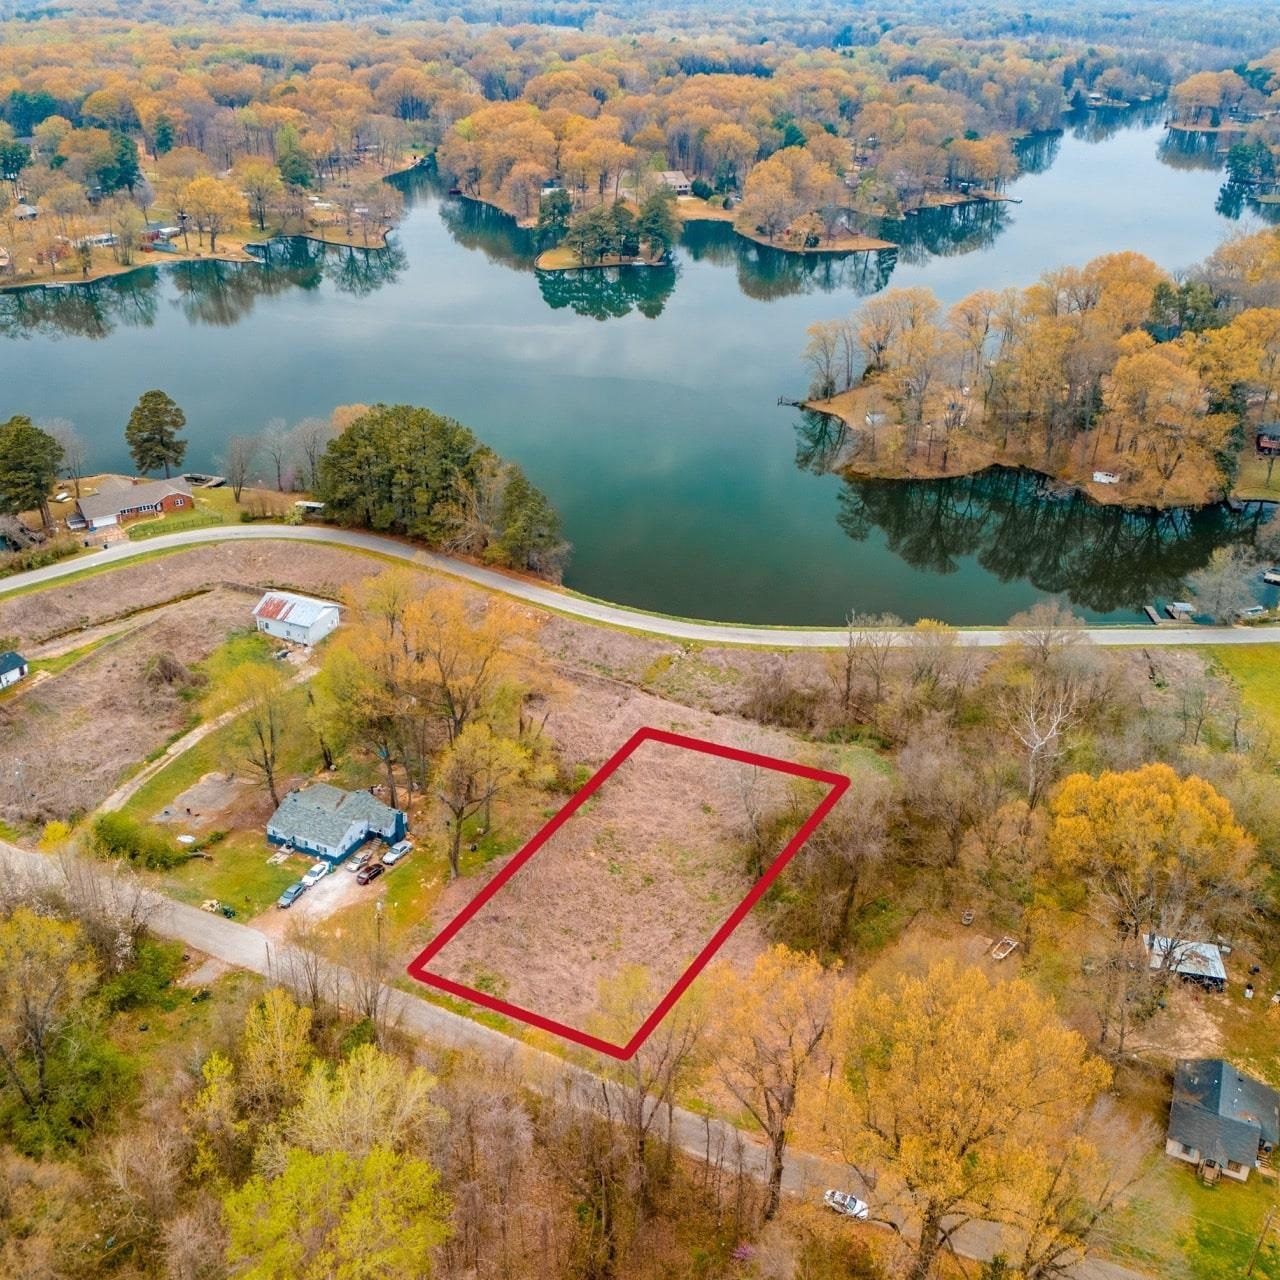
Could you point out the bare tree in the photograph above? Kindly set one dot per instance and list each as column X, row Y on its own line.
column 310, row 438
column 112, row 906
column 1037, row 711
column 1047, row 631
column 277, row 444
column 237, row 461
column 367, row 969
column 1224, row 586
column 303, row 968
column 75, row 453
column 870, row 640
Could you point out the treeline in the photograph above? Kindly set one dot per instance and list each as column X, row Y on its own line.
column 406, row 470
column 1111, row 366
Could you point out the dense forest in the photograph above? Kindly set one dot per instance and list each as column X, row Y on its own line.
column 110, row 128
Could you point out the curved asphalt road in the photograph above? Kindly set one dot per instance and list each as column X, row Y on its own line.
column 590, row 610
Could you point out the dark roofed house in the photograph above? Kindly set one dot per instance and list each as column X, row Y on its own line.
column 1221, row 1120
column 330, row 822
column 13, row 667
column 119, row 500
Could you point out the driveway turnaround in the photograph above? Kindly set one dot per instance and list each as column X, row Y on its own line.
column 548, row 597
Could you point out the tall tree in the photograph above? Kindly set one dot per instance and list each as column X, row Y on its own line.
column 259, row 691
column 29, row 462
column 768, row 1026
column 45, row 974
column 237, row 461
column 1157, row 852
column 152, row 433
column 474, row 770
column 75, row 453
column 947, row 1083
column 215, row 205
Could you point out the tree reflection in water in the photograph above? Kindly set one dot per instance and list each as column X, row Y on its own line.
column 1101, row 558
column 210, row 292
column 765, row 273
column 608, row 293
column 81, row 310
column 946, row 231
column 475, row 225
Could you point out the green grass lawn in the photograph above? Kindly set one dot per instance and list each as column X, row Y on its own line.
column 144, row 529
column 1252, row 480
column 300, row 756
column 240, row 647
column 235, row 872
column 1180, row 1228
column 1256, row 673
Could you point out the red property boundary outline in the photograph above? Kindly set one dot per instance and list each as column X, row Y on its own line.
column 838, row 783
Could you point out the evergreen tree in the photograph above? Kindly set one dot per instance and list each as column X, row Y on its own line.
column 152, row 433
column 163, row 138
column 29, row 462
column 659, row 224
column 554, row 212
column 124, row 169
column 408, row 470
column 293, row 163
column 590, row 235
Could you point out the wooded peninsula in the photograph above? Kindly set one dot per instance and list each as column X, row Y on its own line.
column 1112, row 377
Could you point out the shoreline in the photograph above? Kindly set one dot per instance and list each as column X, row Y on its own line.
column 1102, row 495
column 235, row 257
column 604, row 263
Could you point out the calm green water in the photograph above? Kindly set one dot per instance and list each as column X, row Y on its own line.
column 645, row 401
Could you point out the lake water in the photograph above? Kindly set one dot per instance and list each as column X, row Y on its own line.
column 645, row 401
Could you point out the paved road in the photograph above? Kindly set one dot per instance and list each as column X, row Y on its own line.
column 245, row 947
column 597, row 610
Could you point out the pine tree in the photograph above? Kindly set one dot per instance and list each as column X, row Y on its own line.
column 152, row 433
column 29, row 462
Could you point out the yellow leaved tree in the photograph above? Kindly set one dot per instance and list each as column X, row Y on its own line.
column 945, row 1092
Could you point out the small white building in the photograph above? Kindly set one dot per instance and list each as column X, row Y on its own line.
column 676, row 180
column 13, row 667
column 297, row 618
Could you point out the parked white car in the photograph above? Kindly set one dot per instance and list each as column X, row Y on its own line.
column 846, row 1204
column 396, row 852
column 358, row 860
column 316, row 874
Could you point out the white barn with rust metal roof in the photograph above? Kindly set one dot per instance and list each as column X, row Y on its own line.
column 299, row 619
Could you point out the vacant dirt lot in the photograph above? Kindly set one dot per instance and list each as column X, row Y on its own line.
column 65, row 742
column 709, row 677
column 643, row 874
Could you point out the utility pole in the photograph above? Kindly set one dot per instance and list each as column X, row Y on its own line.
column 1262, row 1235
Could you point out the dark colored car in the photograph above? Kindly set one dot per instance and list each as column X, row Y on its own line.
column 291, row 894
column 371, row 872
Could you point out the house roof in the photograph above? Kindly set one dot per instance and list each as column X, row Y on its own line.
column 673, row 175
column 1221, row 1112
column 116, row 494
column 10, row 661
column 1193, row 959
column 322, row 814
column 284, row 606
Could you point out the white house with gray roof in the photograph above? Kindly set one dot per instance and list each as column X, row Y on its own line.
column 297, row 618
column 329, row 822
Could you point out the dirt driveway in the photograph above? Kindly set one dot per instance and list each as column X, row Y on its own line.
column 337, row 890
